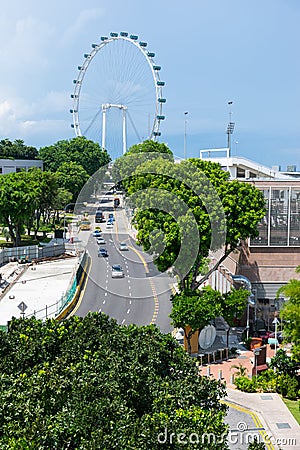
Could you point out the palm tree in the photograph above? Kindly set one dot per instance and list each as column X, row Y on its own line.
column 241, row 370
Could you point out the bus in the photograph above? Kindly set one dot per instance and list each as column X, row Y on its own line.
column 99, row 216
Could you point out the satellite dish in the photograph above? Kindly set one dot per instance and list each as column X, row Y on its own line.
column 207, row 336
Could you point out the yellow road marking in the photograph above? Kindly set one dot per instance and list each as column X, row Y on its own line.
column 82, row 291
column 152, row 285
column 256, row 421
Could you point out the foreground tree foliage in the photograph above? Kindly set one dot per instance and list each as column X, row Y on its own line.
column 89, row 383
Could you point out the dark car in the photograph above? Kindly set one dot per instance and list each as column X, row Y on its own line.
column 102, row 252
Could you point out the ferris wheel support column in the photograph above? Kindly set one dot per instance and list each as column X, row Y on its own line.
column 124, row 132
column 104, row 109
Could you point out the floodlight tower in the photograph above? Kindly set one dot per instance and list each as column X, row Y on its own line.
column 230, row 128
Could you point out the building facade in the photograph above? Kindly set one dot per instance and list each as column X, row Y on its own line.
column 17, row 165
column 268, row 261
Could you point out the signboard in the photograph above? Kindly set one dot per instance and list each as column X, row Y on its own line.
column 207, row 336
column 22, row 306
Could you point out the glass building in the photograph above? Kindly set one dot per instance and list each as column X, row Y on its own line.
column 281, row 225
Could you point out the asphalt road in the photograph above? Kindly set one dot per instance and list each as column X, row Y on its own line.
column 141, row 297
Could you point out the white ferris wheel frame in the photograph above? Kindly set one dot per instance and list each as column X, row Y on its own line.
column 159, row 100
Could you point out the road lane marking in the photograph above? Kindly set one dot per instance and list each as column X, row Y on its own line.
column 256, row 421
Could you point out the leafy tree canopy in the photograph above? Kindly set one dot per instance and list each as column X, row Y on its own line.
column 149, row 146
column 79, row 150
column 17, row 150
column 193, row 310
column 18, row 194
column 88, row 382
column 185, row 210
column 290, row 313
column 72, row 176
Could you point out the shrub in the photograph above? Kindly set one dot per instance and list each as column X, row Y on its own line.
column 245, row 384
column 255, row 445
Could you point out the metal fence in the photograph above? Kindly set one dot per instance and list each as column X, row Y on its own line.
column 31, row 252
column 56, row 308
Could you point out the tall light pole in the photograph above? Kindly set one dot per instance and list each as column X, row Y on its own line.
column 241, row 279
column 184, row 143
column 230, row 128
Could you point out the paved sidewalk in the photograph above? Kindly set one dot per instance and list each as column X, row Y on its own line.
column 267, row 410
column 282, row 430
column 39, row 285
column 245, row 359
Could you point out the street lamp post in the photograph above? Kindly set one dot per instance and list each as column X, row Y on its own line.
column 65, row 208
column 241, row 279
column 184, row 143
column 275, row 322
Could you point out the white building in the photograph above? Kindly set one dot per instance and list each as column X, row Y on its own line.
column 17, row 165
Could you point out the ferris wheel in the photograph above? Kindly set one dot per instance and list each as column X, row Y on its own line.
column 118, row 99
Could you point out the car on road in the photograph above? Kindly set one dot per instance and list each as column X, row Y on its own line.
column 102, row 252
column 97, row 233
column 101, row 241
column 109, row 225
column 117, row 271
column 111, row 217
column 123, row 246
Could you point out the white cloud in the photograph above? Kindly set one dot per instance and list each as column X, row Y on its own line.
column 82, row 21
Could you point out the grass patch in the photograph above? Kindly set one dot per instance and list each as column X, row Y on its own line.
column 293, row 406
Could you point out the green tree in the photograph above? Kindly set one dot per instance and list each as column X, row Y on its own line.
column 45, row 185
column 87, row 382
column 185, row 210
column 284, row 364
column 290, row 313
column 78, row 150
column 62, row 199
column 17, row 202
column 256, row 445
column 192, row 311
column 17, row 150
column 149, row 146
column 233, row 304
column 72, row 176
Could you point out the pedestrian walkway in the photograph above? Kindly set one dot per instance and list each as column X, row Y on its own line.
column 38, row 286
column 272, row 419
column 225, row 371
column 281, row 430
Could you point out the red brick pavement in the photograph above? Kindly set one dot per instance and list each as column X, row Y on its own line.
column 245, row 359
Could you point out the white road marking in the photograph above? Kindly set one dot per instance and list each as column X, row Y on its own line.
column 128, row 311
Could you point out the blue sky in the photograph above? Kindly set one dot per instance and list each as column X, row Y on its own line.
column 211, row 52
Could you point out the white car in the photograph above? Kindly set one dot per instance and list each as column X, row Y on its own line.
column 101, row 241
column 109, row 225
column 117, row 271
column 123, row 246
